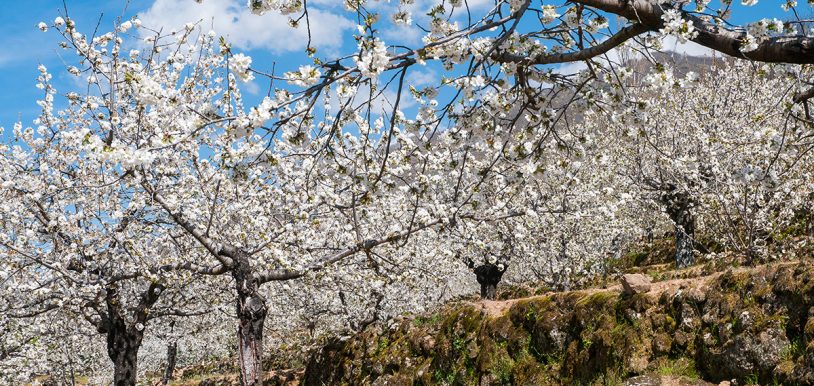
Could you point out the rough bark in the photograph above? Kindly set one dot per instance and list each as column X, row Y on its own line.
column 251, row 314
column 125, row 364
column 646, row 17
column 775, row 50
column 684, row 248
column 488, row 291
column 679, row 208
column 123, row 338
column 123, row 341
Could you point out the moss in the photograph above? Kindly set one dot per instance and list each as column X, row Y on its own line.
column 423, row 320
column 530, row 311
column 461, row 319
column 660, row 251
column 503, row 369
column 443, row 376
column 527, row 371
column 793, row 350
column 384, row 341
column 809, row 329
column 597, row 301
column 614, row 377
column 599, row 337
column 663, row 322
column 737, row 281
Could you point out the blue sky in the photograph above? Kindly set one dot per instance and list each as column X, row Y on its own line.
column 25, row 46
column 266, row 38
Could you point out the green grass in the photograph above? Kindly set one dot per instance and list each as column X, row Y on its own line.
column 682, row 367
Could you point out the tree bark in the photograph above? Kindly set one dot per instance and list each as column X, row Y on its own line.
column 122, row 348
column 251, row 314
column 172, row 355
column 684, row 248
column 126, row 366
column 679, row 208
column 782, row 49
column 488, row 291
column 124, row 339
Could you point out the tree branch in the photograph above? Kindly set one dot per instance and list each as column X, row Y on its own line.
column 222, row 253
column 288, row 274
column 614, row 41
column 798, row 49
column 803, row 95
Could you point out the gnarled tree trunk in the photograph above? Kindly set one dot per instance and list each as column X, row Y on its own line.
column 123, row 341
column 123, row 338
column 679, row 208
column 125, row 361
column 251, row 314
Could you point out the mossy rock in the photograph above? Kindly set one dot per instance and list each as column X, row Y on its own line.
column 748, row 324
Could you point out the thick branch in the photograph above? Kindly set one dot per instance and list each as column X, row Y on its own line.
column 804, row 95
column 775, row 50
column 148, row 299
column 196, row 268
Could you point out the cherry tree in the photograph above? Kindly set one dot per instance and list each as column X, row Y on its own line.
column 160, row 182
column 176, row 177
column 73, row 219
column 513, row 41
column 725, row 150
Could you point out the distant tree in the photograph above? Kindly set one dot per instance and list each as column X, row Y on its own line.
column 724, row 151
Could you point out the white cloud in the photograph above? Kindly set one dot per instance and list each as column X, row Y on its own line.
column 233, row 20
column 422, row 78
column 403, row 34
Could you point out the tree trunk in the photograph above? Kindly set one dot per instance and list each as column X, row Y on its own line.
column 488, row 276
column 488, row 291
column 122, row 348
column 679, row 208
column 172, row 355
column 684, row 248
column 126, row 367
column 251, row 314
column 123, row 341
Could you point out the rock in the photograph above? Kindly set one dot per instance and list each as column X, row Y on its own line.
column 643, row 380
column 473, row 349
column 635, row 283
column 661, row 344
column 746, row 353
column 638, row 363
column 718, row 328
column 745, row 321
column 682, row 338
column 697, row 295
column 808, row 330
column 427, row 344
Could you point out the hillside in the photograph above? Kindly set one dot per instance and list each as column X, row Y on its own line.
column 753, row 325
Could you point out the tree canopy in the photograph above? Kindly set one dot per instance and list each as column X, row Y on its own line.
column 159, row 204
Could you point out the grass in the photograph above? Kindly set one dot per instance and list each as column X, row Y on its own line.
column 681, row 367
